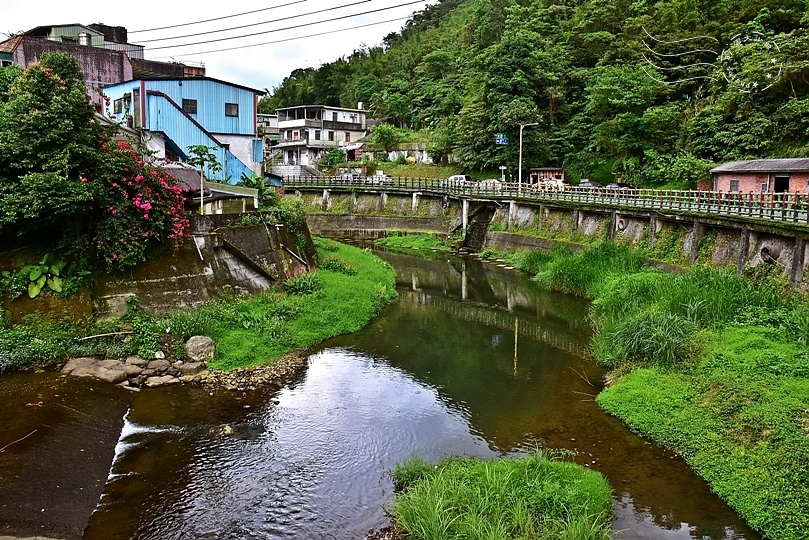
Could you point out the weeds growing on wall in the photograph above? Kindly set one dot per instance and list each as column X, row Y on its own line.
column 531, row 497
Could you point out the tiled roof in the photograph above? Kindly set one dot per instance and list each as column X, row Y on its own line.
column 765, row 165
column 10, row 45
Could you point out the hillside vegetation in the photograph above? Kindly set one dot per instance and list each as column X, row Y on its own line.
column 654, row 91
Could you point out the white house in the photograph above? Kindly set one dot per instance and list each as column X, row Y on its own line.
column 306, row 131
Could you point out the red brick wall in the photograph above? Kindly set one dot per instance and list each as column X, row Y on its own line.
column 798, row 182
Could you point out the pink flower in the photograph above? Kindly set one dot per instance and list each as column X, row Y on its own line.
column 83, row 180
column 145, row 216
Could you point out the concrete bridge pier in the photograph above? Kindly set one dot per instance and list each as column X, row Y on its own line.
column 414, row 205
column 465, row 217
column 325, row 200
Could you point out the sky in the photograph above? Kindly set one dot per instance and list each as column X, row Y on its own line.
column 306, row 33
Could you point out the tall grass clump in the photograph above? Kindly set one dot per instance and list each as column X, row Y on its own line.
column 651, row 335
column 531, row 497
column 586, row 273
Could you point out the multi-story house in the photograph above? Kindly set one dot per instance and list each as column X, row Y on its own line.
column 103, row 53
column 306, row 131
column 177, row 113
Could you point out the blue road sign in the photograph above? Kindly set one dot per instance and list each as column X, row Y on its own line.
column 500, row 138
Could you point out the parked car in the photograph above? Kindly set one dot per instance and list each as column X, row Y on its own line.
column 460, row 179
column 619, row 185
column 589, row 184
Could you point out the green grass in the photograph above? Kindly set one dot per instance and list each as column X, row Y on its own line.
column 528, row 498
column 414, row 241
column 739, row 415
column 353, row 287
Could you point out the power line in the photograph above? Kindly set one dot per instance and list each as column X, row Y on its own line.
column 287, row 28
column 216, row 18
column 286, row 39
column 255, row 24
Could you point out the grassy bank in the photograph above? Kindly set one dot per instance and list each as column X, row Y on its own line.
column 532, row 497
column 348, row 290
column 713, row 365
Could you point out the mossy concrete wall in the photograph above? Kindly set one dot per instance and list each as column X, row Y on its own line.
column 218, row 256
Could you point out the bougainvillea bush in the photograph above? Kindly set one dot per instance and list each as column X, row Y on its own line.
column 65, row 179
column 139, row 204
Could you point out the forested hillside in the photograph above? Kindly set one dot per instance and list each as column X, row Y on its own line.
column 654, row 91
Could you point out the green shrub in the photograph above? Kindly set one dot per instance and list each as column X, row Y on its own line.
column 307, row 283
column 651, row 335
column 37, row 339
column 336, row 265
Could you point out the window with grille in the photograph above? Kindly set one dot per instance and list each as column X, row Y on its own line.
column 190, row 106
column 118, row 106
column 734, row 185
column 231, row 109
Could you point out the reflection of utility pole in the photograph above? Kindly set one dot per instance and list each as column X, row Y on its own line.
column 463, row 280
column 519, row 170
column 516, row 334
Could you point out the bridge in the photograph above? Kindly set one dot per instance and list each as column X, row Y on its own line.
column 733, row 229
column 768, row 208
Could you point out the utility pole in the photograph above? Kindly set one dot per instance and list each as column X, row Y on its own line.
column 519, row 170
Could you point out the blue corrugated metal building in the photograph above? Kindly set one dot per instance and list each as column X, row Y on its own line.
column 178, row 113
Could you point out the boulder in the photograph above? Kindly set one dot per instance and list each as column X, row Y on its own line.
column 112, row 376
column 81, row 364
column 159, row 365
column 153, row 382
column 136, row 361
column 112, row 364
column 200, row 348
column 190, row 368
column 132, row 371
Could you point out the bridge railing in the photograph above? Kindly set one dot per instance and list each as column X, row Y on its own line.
column 779, row 207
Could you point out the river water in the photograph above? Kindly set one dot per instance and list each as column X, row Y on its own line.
column 471, row 359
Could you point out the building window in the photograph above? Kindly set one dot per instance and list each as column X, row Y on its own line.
column 190, row 106
column 317, row 134
column 348, row 136
column 331, row 135
column 734, row 185
column 231, row 109
column 289, row 134
column 118, row 106
column 334, row 116
column 5, row 63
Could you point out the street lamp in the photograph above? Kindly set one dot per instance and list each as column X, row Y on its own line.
column 519, row 170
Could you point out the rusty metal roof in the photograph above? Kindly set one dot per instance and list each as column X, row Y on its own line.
column 765, row 165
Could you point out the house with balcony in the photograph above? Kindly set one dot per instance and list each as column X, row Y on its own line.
column 789, row 175
column 176, row 113
column 306, row 131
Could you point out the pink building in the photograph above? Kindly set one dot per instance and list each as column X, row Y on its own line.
column 763, row 176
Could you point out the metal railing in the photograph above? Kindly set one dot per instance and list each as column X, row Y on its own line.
column 769, row 207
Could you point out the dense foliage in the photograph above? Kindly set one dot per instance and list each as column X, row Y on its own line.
column 653, row 91
column 62, row 176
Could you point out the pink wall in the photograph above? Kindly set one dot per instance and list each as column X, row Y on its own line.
column 749, row 181
column 100, row 66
